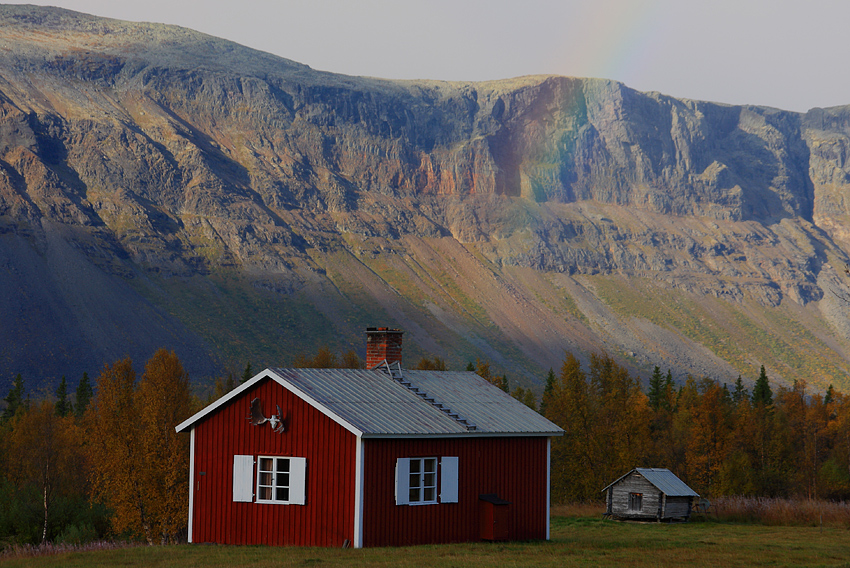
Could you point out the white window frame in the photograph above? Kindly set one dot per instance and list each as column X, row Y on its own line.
column 416, row 480
column 271, row 481
column 422, row 481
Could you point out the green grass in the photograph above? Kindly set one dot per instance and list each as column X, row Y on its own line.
column 243, row 323
column 732, row 332
column 576, row 541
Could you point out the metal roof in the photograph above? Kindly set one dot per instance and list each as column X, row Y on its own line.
column 665, row 480
column 371, row 403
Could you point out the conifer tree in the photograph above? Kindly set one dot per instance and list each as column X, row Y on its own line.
column 15, row 398
column 656, row 389
column 525, row 396
column 63, row 407
column 727, row 396
column 761, row 390
column 830, row 395
column 246, row 374
column 470, row 367
column 84, row 395
column 669, row 390
column 740, row 393
column 547, row 391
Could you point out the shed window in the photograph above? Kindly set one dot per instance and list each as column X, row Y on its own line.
column 416, row 480
column 281, row 480
column 635, row 501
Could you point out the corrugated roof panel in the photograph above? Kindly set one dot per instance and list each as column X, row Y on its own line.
column 376, row 404
column 667, row 482
column 370, row 400
column 485, row 405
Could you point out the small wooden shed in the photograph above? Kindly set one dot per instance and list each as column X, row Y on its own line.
column 649, row 494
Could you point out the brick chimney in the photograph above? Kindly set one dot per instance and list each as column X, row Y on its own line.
column 382, row 344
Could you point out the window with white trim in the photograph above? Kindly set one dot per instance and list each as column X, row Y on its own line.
column 417, row 480
column 273, row 480
column 279, row 479
column 422, row 486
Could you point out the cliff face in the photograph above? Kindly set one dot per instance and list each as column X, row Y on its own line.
column 158, row 185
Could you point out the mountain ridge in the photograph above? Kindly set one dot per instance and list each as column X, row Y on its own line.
column 192, row 167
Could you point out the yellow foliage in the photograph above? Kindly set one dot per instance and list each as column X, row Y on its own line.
column 605, row 418
column 140, row 463
column 45, row 451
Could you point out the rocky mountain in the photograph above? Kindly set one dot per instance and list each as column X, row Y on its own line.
column 160, row 187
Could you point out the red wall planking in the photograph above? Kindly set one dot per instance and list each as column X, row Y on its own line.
column 512, row 468
column 326, row 519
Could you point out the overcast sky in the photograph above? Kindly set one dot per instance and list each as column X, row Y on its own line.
column 783, row 53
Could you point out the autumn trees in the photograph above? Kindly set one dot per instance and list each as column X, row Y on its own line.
column 45, row 456
column 43, row 467
column 67, row 460
column 113, row 454
column 139, row 463
column 605, row 418
column 721, row 441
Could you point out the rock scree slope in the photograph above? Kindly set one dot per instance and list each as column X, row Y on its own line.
column 163, row 188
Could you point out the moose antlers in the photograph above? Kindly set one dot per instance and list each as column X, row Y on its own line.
column 277, row 421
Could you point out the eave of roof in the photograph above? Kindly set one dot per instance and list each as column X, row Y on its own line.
column 663, row 479
column 370, row 404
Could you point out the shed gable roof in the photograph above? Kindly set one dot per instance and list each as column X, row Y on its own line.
column 371, row 403
column 663, row 479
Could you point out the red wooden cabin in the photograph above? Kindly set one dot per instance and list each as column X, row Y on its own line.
column 377, row 457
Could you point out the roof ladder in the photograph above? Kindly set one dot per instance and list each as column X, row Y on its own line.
column 397, row 374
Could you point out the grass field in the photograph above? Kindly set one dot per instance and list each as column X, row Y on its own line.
column 576, row 541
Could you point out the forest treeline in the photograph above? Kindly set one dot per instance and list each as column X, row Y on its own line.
column 108, row 462
column 721, row 440
column 105, row 461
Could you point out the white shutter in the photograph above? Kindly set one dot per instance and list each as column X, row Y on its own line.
column 448, row 480
column 243, row 478
column 297, row 481
column 402, row 481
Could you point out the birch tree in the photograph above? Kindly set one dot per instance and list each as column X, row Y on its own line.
column 45, row 452
column 140, row 463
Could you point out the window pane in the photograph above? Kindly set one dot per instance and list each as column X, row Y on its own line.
column 265, row 478
column 414, row 495
column 430, row 465
column 283, row 480
column 415, row 480
column 429, row 494
column 283, row 464
column 282, row 494
column 265, row 464
column 415, row 466
column 265, row 493
column 430, row 480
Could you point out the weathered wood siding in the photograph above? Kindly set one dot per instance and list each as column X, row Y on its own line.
column 654, row 504
column 678, row 508
column 512, row 468
column 327, row 518
column 635, row 483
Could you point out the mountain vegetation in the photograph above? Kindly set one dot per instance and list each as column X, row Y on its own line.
column 164, row 188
